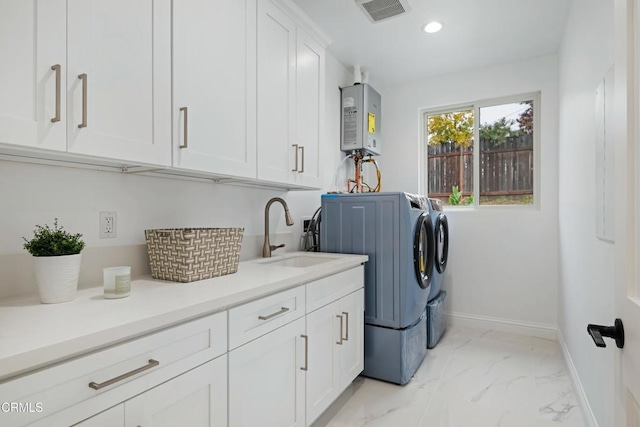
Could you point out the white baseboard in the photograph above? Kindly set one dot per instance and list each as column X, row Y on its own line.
column 539, row 330
column 587, row 413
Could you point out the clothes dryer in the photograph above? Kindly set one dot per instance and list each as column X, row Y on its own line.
column 441, row 252
column 395, row 230
column 436, row 317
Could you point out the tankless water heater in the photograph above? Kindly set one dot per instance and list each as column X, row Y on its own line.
column 361, row 120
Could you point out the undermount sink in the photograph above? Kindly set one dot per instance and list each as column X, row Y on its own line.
column 299, row 261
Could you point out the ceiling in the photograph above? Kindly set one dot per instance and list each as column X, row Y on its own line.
column 475, row 33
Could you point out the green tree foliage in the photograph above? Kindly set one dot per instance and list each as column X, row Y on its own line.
column 497, row 132
column 526, row 118
column 454, row 127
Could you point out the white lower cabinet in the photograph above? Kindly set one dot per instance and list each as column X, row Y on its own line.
column 336, row 337
column 110, row 418
column 322, row 376
column 351, row 358
column 197, row 398
column 266, row 379
column 278, row 361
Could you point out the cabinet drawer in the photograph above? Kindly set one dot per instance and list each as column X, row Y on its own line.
column 251, row 320
column 107, row 377
column 329, row 289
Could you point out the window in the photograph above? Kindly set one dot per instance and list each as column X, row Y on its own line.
column 503, row 133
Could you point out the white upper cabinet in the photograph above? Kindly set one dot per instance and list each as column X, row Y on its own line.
column 276, row 94
column 32, row 69
column 309, row 108
column 214, row 86
column 231, row 88
column 119, row 79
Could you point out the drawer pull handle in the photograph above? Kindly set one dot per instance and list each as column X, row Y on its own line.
column 185, row 141
column 295, row 148
column 341, row 339
column 56, row 69
column 346, row 338
column 301, row 148
column 272, row 315
column 83, row 77
column 306, row 352
column 152, row 363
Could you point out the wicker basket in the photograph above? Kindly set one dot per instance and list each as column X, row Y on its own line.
column 190, row 254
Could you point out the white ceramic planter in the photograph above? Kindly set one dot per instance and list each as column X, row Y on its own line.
column 57, row 277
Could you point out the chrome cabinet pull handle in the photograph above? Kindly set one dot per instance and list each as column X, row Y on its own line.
column 347, row 324
column 185, row 142
column 302, row 149
column 277, row 313
column 295, row 147
column 56, row 68
column 83, row 77
column 152, row 363
column 306, row 353
column 341, row 339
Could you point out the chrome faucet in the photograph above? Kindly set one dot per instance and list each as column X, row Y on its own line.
column 267, row 247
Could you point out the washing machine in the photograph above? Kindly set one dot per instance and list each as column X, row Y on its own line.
column 395, row 230
column 436, row 317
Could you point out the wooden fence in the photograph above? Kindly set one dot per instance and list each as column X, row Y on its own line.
column 506, row 169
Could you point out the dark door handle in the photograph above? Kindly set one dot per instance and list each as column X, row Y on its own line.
column 616, row 332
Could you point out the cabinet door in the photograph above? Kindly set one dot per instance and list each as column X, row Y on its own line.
column 323, row 331
column 214, row 66
column 276, row 94
column 266, row 382
column 197, row 398
column 309, row 108
column 113, row 417
column 119, row 79
column 352, row 350
column 33, row 35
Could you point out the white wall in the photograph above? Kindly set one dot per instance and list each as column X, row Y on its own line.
column 34, row 194
column 586, row 264
column 503, row 264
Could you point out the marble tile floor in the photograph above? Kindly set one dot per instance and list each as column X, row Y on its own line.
column 473, row 378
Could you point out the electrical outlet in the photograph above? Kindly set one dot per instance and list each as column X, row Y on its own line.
column 108, row 225
column 305, row 224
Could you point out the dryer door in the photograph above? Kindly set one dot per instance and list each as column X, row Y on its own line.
column 441, row 229
column 423, row 250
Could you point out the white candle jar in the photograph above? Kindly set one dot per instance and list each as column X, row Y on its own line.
column 117, row 282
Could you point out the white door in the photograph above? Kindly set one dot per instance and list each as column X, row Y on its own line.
column 352, row 350
column 627, row 225
column 214, row 79
column 32, row 73
column 266, row 382
column 309, row 108
column 197, row 398
column 119, row 79
column 323, row 334
column 113, row 417
column 276, row 94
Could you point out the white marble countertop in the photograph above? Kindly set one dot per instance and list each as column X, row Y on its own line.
column 33, row 335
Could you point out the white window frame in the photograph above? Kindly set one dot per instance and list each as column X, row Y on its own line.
column 476, row 106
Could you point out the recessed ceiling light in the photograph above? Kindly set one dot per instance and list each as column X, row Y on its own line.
column 433, row 27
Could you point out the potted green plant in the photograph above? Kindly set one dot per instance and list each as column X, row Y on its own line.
column 57, row 262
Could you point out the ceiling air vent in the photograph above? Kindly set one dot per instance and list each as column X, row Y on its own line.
column 379, row 10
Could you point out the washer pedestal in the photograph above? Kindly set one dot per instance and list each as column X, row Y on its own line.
column 394, row 355
column 436, row 319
